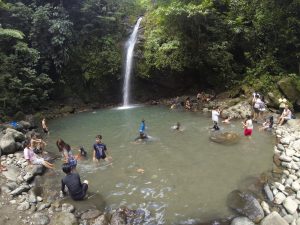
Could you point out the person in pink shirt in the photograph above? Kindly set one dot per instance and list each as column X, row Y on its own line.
column 33, row 159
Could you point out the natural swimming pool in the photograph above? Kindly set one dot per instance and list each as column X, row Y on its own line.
column 187, row 177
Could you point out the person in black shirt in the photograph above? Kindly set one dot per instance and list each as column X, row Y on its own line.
column 77, row 190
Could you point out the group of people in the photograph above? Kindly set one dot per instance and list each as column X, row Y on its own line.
column 77, row 190
column 258, row 108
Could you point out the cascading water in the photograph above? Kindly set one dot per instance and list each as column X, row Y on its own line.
column 128, row 66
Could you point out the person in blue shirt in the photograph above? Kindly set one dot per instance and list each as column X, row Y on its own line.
column 100, row 150
column 142, row 129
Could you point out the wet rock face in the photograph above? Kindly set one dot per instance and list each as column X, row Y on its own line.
column 225, row 138
column 246, row 205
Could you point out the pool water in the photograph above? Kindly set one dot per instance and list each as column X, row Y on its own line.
column 186, row 176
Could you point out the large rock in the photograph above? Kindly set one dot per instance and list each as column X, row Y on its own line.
column 66, row 207
column 91, row 214
column 245, row 204
column 290, row 205
column 272, row 100
column 18, row 136
column 19, row 190
column 8, row 144
column 12, row 173
column 101, row 220
column 296, row 145
column 273, row 219
column 10, row 141
column 63, row 218
column 25, row 125
column 288, row 87
column 40, row 219
column 118, row 218
column 238, row 111
column 224, row 138
column 268, row 192
column 241, row 221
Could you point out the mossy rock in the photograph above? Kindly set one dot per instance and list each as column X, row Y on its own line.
column 67, row 109
column 288, row 87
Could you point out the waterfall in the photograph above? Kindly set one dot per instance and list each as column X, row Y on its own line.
column 128, row 66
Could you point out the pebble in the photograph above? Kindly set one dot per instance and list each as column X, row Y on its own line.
column 66, row 207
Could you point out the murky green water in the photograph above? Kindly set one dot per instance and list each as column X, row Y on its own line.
column 186, row 175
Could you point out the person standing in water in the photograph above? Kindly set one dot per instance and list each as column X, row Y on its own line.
column 215, row 113
column 100, row 150
column 142, row 130
column 248, row 126
column 44, row 126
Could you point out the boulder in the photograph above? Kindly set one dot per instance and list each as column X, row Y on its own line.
column 66, row 207
column 118, row 218
column 289, row 88
column 272, row 100
column 241, row 221
column 296, row 145
column 8, row 144
column 268, row 192
column 26, row 125
column 91, row 214
column 290, row 205
column 245, row 204
column 273, row 219
column 101, row 220
column 224, row 138
column 40, row 219
column 238, row 111
column 23, row 206
column 19, row 190
column 18, row 136
column 12, row 173
column 63, row 218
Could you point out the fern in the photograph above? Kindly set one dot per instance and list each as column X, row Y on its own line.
column 12, row 33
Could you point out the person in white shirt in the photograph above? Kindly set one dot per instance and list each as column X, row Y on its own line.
column 285, row 116
column 215, row 113
column 256, row 107
column 248, row 126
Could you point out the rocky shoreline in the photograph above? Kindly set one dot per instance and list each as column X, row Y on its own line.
column 281, row 204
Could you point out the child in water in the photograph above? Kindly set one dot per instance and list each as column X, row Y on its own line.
column 142, row 129
column 227, row 120
column 100, row 150
column 268, row 124
column 177, row 127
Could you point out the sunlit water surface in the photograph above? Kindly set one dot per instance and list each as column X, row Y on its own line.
column 186, row 176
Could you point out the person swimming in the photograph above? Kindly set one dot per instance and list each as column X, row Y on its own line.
column 177, row 127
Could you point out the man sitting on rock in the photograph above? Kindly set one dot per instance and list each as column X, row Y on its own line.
column 77, row 190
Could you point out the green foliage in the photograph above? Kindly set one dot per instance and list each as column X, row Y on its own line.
column 11, row 33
